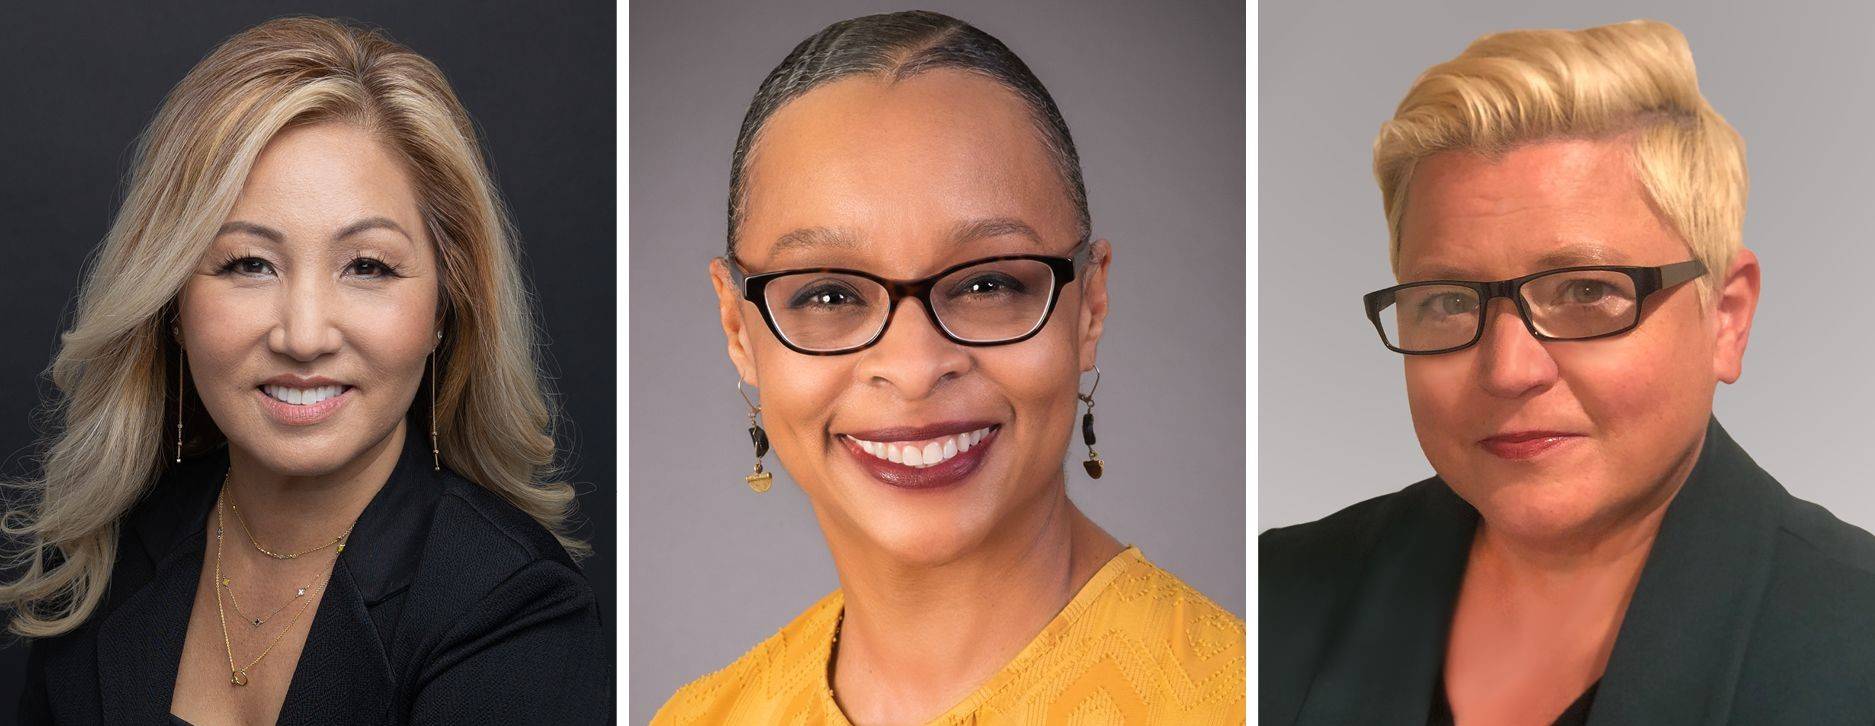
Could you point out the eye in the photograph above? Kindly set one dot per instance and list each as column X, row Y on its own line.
column 989, row 284
column 826, row 295
column 370, row 268
column 247, row 266
column 1585, row 292
column 1450, row 304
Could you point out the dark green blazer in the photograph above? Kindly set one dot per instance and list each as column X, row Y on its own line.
column 1754, row 607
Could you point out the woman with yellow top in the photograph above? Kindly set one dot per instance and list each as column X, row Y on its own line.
column 911, row 286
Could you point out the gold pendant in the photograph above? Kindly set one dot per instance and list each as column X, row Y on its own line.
column 239, row 678
column 759, row 481
column 1093, row 467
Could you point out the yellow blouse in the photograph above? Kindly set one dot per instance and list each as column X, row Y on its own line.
column 1135, row 646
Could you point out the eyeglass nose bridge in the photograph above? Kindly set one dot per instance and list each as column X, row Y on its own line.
column 896, row 291
column 1512, row 290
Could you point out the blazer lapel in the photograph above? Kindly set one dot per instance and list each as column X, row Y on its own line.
column 140, row 644
column 342, row 675
column 1682, row 643
column 1392, row 641
column 344, row 672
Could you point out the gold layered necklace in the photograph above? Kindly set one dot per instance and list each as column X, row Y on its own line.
column 237, row 675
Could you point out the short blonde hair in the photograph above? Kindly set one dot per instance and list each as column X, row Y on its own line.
column 1628, row 79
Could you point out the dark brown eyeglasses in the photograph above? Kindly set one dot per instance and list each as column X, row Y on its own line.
column 1569, row 303
column 990, row 301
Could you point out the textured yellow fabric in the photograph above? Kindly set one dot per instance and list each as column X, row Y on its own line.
column 1134, row 646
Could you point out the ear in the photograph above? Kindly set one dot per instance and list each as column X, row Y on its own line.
column 1737, row 300
column 1093, row 319
column 729, row 308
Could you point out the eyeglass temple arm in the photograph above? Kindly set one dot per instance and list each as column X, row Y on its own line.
column 1679, row 272
column 736, row 275
column 1082, row 253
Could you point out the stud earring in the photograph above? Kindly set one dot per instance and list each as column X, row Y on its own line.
column 436, row 456
column 1093, row 465
column 760, row 479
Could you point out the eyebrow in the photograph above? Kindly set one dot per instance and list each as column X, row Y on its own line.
column 1571, row 255
column 370, row 223
column 275, row 236
column 810, row 237
column 994, row 227
column 962, row 233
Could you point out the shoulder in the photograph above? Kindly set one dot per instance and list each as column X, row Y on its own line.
column 1812, row 532
column 1150, row 599
column 1138, row 645
column 782, row 675
column 476, row 521
column 487, row 567
column 1824, row 569
column 1333, row 549
column 498, row 622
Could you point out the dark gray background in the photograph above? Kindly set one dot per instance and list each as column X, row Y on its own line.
column 1793, row 78
column 81, row 80
column 1154, row 95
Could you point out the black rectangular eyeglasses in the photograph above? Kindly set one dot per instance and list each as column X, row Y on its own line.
column 989, row 301
column 1568, row 303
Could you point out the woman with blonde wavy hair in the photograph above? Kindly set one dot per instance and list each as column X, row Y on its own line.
column 303, row 461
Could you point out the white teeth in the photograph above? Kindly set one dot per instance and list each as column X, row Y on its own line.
column 301, row 396
column 923, row 454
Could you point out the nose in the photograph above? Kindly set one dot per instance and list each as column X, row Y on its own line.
column 913, row 357
column 1512, row 363
column 306, row 328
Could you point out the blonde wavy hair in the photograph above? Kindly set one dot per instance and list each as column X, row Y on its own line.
column 495, row 415
column 1629, row 79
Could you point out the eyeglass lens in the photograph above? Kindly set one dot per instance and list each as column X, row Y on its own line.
column 985, row 303
column 1567, row 304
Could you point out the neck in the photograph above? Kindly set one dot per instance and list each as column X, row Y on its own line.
column 918, row 637
column 288, row 512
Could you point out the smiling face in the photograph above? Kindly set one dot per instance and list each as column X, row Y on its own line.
column 308, row 322
column 904, row 180
column 1553, row 438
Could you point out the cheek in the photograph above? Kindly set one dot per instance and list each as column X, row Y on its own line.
column 223, row 326
column 1437, row 388
column 797, row 394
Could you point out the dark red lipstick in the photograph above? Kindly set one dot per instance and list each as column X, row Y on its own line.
column 949, row 472
column 1526, row 445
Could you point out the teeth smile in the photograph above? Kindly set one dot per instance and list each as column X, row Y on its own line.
column 921, row 454
column 302, row 396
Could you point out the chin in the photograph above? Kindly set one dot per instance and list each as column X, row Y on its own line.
column 926, row 539
column 1533, row 510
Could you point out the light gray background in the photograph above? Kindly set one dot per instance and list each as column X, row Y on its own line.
column 1153, row 93
column 1793, row 78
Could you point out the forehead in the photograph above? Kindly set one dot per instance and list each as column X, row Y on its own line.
column 1540, row 205
column 898, row 165
column 310, row 179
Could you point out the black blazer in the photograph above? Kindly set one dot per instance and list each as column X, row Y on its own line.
column 1754, row 607
column 449, row 605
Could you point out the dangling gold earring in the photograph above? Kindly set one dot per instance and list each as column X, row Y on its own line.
column 436, row 455
column 760, row 479
column 182, row 359
column 1093, row 464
